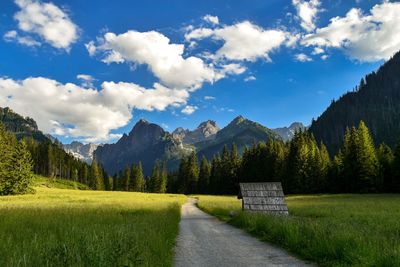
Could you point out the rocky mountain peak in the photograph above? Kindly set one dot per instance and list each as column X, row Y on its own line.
column 81, row 151
column 239, row 119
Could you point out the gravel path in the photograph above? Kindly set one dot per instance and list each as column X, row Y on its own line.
column 205, row 241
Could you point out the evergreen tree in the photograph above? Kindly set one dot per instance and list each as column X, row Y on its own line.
column 367, row 161
column 22, row 170
column 96, row 178
column 15, row 165
column 396, row 170
column 163, row 178
column 192, row 174
column 360, row 164
column 385, row 158
column 204, row 176
column 139, row 181
column 126, row 178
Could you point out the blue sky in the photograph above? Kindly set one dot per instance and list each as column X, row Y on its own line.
column 88, row 70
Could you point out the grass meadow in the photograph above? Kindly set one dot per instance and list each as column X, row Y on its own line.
column 63, row 227
column 331, row 230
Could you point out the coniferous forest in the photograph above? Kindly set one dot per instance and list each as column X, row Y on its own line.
column 302, row 165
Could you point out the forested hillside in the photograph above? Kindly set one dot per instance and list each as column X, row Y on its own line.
column 376, row 101
column 48, row 157
column 241, row 131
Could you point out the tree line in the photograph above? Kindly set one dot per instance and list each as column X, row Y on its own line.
column 302, row 165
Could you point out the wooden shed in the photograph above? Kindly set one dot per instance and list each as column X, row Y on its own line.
column 263, row 197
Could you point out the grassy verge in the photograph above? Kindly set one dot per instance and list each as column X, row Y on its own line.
column 332, row 230
column 58, row 227
column 40, row 181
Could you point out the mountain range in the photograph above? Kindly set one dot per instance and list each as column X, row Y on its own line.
column 83, row 152
column 149, row 142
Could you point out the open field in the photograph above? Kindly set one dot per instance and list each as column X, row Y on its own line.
column 59, row 227
column 332, row 230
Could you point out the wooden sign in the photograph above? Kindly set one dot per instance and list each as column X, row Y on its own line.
column 263, row 197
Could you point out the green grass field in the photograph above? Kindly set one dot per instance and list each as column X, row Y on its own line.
column 332, row 230
column 62, row 227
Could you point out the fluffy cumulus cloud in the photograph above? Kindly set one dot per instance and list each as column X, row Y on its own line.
column 188, row 110
column 86, row 80
column 13, row 36
column 242, row 41
column 250, row 78
column 364, row 37
column 302, row 57
column 164, row 59
column 307, row 11
column 211, row 19
column 85, row 113
column 47, row 21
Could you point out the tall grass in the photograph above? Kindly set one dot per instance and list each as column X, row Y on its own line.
column 332, row 230
column 57, row 227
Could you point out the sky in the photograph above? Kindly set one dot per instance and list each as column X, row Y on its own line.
column 89, row 70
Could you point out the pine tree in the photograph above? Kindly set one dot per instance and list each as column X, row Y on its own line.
column 163, row 178
column 192, row 174
column 360, row 164
column 22, row 170
column 204, row 176
column 15, row 165
column 367, row 162
column 385, row 158
column 396, row 170
column 126, row 178
column 96, row 179
column 139, row 179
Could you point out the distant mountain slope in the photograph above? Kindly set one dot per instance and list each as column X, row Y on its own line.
column 241, row 131
column 376, row 101
column 148, row 143
column 205, row 131
column 20, row 126
column 81, row 151
column 287, row 133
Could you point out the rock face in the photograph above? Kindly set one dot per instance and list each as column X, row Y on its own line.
column 287, row 133
column 240, row 131
column 83, row 152
column 21, row 126
column 148, row 143
column 205, row 131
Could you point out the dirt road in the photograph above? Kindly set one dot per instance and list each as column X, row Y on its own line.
column 205, row 241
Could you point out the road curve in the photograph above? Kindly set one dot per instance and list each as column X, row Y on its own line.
column 205, row 241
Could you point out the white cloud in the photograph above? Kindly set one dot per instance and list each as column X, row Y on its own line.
column 302, row 57
column 85, row 113
column 188, row 110
column 91, row 48
column 307, row 11
column 199, row 33
column 318, row 50
column 86, row 80
column 48, row 21
column 13, row 36
column 164, row 59
column 324, row 57
column 250, row 78
column 242, row 41
column 364, row 37
column 207, row 97
column 211, row 19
